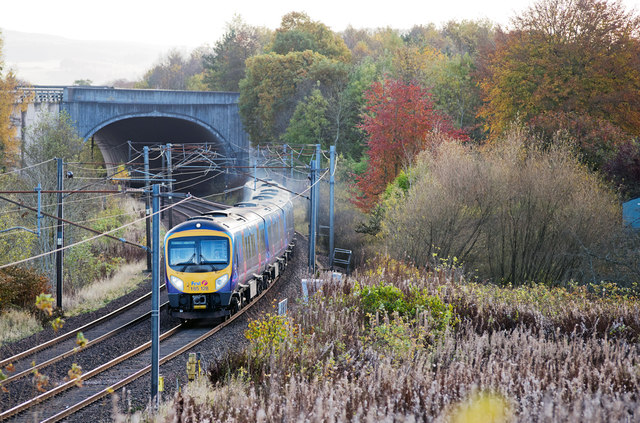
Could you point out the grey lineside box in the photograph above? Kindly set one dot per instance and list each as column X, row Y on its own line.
column 311, row 286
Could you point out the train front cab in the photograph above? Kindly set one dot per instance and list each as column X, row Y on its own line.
column 199, row 269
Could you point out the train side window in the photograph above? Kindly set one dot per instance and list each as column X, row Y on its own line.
column 252, row 241
column 261, row 237
column 272, row 238
column 245, row 249
column 250, row 247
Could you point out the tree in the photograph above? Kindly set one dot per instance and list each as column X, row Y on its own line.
column 399, row 121
column 174, row 72
column 225, row 66
column 122, row 83
column 298, row 32
column 83, row 82
column 456, row 92
column 417, row 65
column 597, row 139
column 444, row 62
column 309, row 124
column 274, row 85
column 345, row 101
column 52, row 135
column 331, row 114
column 566, row 56
column 623, row 168
column 467, row 37
column 9, row 143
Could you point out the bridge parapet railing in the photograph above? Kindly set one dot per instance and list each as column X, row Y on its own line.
column 40, row 94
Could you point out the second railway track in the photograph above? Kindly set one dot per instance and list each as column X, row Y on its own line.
column 71, row 396
column 111, row 373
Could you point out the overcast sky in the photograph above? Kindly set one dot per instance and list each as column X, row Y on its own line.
column 192, row 23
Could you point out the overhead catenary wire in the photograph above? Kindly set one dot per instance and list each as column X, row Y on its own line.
column 84, row 221
column 182, row 188
column 80, row 200
column 71, row 223
column 26, row 168
column 94, row 237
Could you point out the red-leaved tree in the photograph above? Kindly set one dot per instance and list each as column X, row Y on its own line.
column 400, row 121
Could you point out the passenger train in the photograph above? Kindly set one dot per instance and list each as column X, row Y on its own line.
column 217, row 262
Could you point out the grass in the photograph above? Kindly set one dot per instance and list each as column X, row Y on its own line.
column 17, row 324
column 300, row 221
column 524, row 354
column 100, row 293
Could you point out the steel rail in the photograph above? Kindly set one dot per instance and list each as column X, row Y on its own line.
column 85, row 376
column 112, row 388
column 73, row 351
column 177, row 210
column 73, row 332
column 193, row 209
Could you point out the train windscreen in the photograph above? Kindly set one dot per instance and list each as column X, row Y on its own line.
column 208, row 251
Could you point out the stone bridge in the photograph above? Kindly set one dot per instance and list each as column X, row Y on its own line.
column 110, row 117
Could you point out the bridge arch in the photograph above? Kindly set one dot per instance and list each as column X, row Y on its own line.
column 154, row 128
column 110, row 117
column 154, row 114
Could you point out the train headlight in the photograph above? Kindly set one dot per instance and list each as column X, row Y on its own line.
column 177, row 283
column 221, row 281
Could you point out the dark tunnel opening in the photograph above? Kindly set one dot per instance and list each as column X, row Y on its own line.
column 199, row 176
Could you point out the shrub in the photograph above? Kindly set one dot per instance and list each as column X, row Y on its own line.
column 20, row 286
column 390, row 300
column 382, row 298
column 269, row 335
column 624, row 168
column 513, row 212
column 518, row 354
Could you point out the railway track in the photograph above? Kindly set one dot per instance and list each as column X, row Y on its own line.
column 69, row 397
column 197, row 206
column 70, row 334
column 60, row 352
column 43, row 358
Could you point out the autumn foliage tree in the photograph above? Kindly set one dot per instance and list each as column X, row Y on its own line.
column 273, row 86
column 566, row 56
column 298, row 32
column 8, row 141
column 400, row 121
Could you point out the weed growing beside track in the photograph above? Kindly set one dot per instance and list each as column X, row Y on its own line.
column 395, row 343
